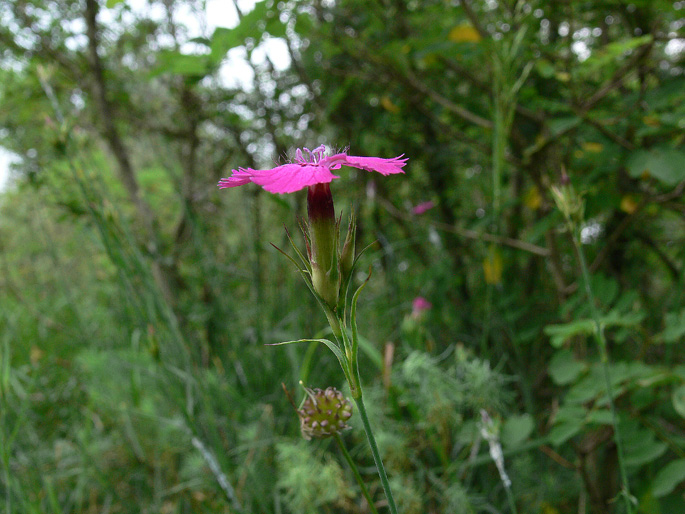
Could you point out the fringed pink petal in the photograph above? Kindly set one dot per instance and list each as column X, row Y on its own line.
column 238, row 177
column 377, row 164
column 289, row 178
column 309, row 170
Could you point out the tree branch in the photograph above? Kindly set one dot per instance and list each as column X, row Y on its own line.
column 470, row 234
column 107, row 115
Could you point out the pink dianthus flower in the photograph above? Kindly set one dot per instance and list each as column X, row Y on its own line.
column 420, row 305
column 308, row 169
column 422, row 207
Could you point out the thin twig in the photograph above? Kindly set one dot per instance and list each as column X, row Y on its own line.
column 218, row 474
column 467, row 233
column 619, row 77
column 460, row 111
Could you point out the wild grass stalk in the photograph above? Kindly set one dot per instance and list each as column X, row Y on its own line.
column 606, row 368
column 355, row 472
column 571, row 206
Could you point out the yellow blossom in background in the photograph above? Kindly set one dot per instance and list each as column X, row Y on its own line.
column 492, row 266
column 593, row 147
column 628, row 204
column 429, row 60
column 651, row 121
column 36, row 355
column 532, row 198
column 388, row 105
column 464, row 33
column 548, row 509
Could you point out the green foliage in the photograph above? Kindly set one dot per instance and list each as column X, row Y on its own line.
column 310, row 480
column 662, row 163
column 668, row 478
column 136, row 300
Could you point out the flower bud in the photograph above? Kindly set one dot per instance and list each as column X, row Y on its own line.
column 568, row 201
column 323, row 235
column 347, row 254
column 324, row 413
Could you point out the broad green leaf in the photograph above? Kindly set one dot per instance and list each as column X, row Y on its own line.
column 640, row 444
column 261, row 20
column 181, row 64
column 113, row 3
column 564, row 431
column 559, row 334
column 679, row 371
column 622, row 371
column 222, row 41
column 675, row 327
column 609, row 53
column 517, row 429
column 601, row 417
column 663, row 163
column 678, row 399
column 545, row 68
column 303, row 24
column 559, row 126
column 623, row 375
column 589, row 388
column 568, row 421
column 564, row 368
column 605, row 288
column 274, row 26
column 646, row 452
column 668, row 478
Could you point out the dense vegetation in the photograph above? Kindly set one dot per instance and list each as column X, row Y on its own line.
column 541, row 215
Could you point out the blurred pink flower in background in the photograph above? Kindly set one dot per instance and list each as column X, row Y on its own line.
column 422, row 207
column 310, row 168
column 420, row 305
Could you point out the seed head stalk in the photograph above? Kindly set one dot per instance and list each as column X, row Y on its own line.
column 352, row 347
column 355, row 471
column 604, row 356
column 571, row 206
column 374, row 451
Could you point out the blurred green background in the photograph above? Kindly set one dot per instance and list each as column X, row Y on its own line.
column 136, row 298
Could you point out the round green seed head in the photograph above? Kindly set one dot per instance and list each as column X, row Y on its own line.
column 324, row 413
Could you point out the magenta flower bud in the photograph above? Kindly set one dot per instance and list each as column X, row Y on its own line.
column 420, row 305
column 323, row 236
column 422, row 207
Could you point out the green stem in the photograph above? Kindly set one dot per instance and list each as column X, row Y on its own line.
column 604, row 355
column 376, row 454
column 511, row 500
column 355, row 471
column 498, row 150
